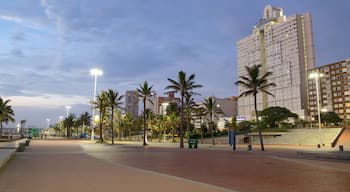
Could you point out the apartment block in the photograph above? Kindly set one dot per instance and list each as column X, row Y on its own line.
column 284, row 46
column 132, row 103
column 334, row 89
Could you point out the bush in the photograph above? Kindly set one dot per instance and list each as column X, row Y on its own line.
column 194, row 136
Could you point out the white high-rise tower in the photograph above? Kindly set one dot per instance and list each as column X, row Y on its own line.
column 284, row 46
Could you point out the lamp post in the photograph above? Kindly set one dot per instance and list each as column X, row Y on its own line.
column 316, row 75
column 94, row 72
column 48, row 122
column 68, row 107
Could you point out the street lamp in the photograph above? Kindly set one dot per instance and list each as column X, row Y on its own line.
column 68, row 107
column 316, row 75
column 94, row 72
column 48, row 122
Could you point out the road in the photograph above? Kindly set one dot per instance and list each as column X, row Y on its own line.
column 81, row 166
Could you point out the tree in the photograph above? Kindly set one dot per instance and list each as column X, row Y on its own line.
column 200, row 112
column 6, row 113
column 272, row 116
column 69, row 123
column 211, row 109
column 101, row 105
column 330, row 117
column 145, row 92
column 84, row 120
column 172, row 118
column 113, row 102
column 190, row 106
column 128, row 123
column 185, row 86
column 254, row 83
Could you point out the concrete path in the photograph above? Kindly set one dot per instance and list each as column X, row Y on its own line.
column 344, row 139
column 50, row 166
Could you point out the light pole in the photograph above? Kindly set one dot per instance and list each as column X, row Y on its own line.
column 94, row 72
column 48, row 122
column 316, row 75
column 68, row 107
column 61, row 117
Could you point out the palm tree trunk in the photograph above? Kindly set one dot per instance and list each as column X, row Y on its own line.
column 182, row 121
column 144, row 123
column 211, row 129
column 101, row 121
column 0, row 129
column 257, row 124
column 112, row 125
column 201, row 131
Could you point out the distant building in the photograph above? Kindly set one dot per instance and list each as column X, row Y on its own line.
column 163, row 102
column 284, row 46
column 228, row 107
column 132, row 103
column 159, row 104
column 334, row 89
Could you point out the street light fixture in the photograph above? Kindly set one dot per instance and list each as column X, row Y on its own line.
column 316, row 75
column 94, row 72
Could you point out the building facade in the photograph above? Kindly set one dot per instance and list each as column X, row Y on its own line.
column 334, row 89
column 284, row 46
column 132, row 103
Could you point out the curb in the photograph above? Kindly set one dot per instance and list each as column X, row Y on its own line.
column 333, row 156
column 6, row 158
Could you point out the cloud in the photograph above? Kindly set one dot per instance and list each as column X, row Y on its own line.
column 11, row 18
column 48, row 100
column 17, row 52
column 18, row 36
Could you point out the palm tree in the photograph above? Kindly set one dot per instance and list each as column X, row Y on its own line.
column 6, row 113
column 172, row 122
column 69, row 123
column 127, row 122
column 200, row 112
column 84, row 120
column 211, row 108
column 190, row 106
column 114, row 102
column 254, row 83
column 101, row 105
column 185, row 86
column 145, row 92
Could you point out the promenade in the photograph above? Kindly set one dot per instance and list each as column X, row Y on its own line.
column 64, row 165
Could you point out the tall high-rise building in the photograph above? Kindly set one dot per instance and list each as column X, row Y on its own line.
column 333, row 88
column 284, row 46
column 132, row 103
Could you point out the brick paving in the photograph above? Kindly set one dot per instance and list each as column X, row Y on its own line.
column 62, row 166
column 81, row 166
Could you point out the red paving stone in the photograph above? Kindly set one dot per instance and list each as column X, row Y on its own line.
column 70, row 166
column 242, row 171
column 54, row 167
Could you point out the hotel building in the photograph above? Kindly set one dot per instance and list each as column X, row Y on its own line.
column 284, row 46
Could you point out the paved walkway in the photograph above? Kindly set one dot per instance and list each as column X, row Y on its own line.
column 50, row 166
column 62, row 165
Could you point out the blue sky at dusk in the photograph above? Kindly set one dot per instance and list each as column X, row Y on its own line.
column 47, row 47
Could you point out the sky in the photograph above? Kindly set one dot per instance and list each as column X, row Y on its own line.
column 47, row 47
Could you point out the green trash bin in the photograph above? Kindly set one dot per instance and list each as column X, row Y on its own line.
column 190, row 143
column 193, row 143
